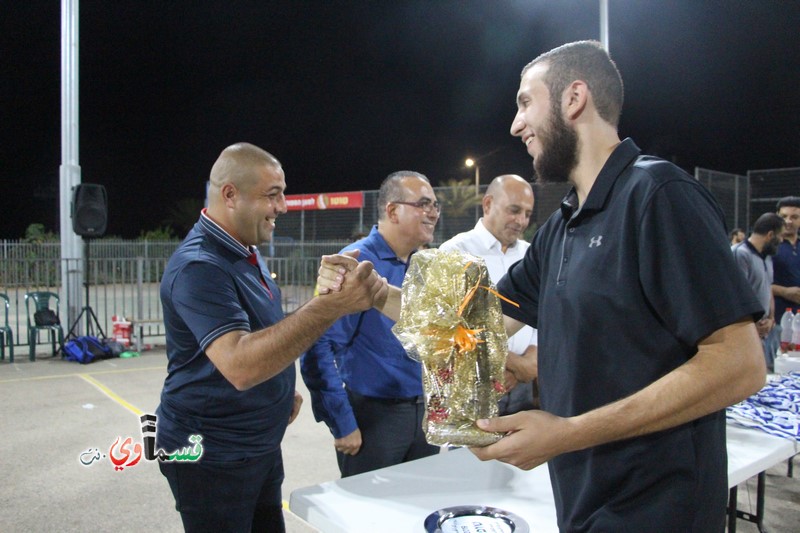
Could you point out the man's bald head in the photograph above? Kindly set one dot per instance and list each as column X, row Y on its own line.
column 238, row 164
column 507, row 208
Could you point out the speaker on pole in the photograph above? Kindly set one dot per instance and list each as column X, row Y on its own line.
column 89, row 210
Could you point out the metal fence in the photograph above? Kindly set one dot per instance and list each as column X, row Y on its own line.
column 123, row 287
column 96, row 249
column 123, row 276
column 769, row 186
column 732, row 192
column 745, row 198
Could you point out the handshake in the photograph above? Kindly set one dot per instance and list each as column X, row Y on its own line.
column 354, row 286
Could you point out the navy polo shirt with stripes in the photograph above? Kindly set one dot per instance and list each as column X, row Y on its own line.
column 211, row 287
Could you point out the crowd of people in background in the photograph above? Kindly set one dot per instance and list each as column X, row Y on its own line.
column 635, row 328
column 779, row 267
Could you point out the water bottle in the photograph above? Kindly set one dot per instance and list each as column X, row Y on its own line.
column 796, row 332
column 786, row 331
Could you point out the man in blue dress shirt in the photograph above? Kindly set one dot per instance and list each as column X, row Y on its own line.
column 363, row 384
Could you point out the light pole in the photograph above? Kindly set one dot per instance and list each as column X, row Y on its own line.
column 471, row 163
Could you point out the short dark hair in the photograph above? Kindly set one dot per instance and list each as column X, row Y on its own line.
column 768, row 222
column 788, row 201
column 735, row 232
column 587, row 61
column 391, row 190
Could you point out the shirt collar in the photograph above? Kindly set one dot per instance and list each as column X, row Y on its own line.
column 753, row 249
column 623, row 155
column 224, row 238
column 382, row 248
column 489, row 241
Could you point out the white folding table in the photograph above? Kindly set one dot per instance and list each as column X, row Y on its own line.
column 750, row 453
column 399, row 498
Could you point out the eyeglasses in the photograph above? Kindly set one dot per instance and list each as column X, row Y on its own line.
column 426, row 205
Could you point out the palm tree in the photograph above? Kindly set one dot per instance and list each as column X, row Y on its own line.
column 459, row 203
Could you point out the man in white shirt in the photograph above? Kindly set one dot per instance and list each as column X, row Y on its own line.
column 507, row 208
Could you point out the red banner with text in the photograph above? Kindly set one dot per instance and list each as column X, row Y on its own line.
column 325, row 200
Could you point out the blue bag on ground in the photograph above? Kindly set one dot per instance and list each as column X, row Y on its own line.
column 86, row 349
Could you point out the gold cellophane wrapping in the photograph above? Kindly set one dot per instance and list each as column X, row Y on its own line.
column 451, row 321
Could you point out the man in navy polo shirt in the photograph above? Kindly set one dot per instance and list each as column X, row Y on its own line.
column 786, row 283
column 231, row 377
column 645, row 322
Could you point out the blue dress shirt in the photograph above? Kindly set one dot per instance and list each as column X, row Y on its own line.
column 360, row 352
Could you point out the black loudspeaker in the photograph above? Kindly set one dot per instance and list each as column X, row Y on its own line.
column 89, row 210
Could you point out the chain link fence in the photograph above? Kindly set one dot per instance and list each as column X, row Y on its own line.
column 745, row 198
column 769, row 186
column 123, row 276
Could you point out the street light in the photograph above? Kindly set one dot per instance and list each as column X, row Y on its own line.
column 471, row 163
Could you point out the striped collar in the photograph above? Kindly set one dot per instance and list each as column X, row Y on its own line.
column 224, row 238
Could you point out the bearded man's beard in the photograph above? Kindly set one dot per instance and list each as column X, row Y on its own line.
column 559, row 155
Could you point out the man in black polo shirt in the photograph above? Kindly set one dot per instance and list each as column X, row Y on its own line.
column 645, row 322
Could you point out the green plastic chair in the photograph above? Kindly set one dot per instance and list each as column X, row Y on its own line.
column 41, row 300
column 6, row 335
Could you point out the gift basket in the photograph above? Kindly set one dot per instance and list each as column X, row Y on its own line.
column 451, row 321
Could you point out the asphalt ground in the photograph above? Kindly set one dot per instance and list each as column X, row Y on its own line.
column 54, row 413
column 55, row 416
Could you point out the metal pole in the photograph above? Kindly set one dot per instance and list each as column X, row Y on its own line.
column 477, row 191
column 604, row 24
column 72, row 269
column 302, row 233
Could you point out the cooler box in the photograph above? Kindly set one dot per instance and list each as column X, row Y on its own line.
column 122, row 330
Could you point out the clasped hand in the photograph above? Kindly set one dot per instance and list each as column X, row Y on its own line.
column 532, row 437
column 342, row 273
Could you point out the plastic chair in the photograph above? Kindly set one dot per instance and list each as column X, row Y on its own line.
column 6, row 335
column 41, row 300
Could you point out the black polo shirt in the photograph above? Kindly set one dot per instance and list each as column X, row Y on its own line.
column 622, row 290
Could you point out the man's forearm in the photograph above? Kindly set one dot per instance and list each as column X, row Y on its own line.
column 247, row 359
column 390, row 306
column 787, row 293
column 726, row 369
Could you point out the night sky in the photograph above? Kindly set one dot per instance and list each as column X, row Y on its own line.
column 343, row 93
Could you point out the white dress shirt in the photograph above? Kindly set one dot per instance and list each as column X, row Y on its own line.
column 481, row 243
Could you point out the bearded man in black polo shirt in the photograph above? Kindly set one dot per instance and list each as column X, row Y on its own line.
column 645, row 322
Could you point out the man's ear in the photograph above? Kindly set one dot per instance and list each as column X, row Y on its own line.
column 576, row 97
column 391, row 212
column 228, row 193
column 486, row 203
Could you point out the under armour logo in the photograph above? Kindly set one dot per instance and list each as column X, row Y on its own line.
column 596, row 241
